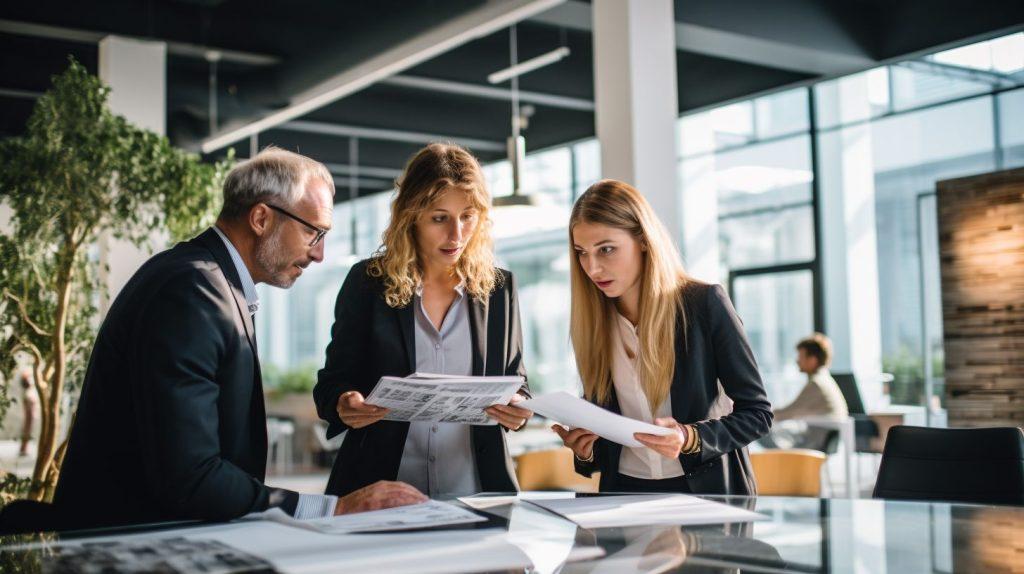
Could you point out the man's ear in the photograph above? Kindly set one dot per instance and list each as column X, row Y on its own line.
column 259, row 219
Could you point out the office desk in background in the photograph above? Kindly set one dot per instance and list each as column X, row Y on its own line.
column 802, row 535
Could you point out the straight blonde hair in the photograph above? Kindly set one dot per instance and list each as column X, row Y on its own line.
column 592, row 315
column 434, row 170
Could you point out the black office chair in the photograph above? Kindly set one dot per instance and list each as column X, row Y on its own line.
column 864, row 429
column 981, row 465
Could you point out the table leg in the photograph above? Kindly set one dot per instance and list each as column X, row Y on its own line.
column 852, row 488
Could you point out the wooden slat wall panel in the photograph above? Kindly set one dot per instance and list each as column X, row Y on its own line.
column 981, row 246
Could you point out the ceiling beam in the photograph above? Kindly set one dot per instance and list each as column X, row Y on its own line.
column 20, row 94
column 176, row 48
column 418, row 138
column 343, row 183
column 489, row 92
column 494, row 15
column 369, row 171
column 699, row 39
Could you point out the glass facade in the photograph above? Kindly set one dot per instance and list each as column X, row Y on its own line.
column 825, row 220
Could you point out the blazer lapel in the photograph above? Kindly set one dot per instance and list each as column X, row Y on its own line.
column 213, row 242
column 478, row 330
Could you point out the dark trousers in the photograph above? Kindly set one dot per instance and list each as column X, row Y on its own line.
column 624, row 483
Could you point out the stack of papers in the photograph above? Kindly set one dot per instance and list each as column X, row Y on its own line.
column 575, row 412
column 265, row 546
column 424, row 515
column 645, row 509
column 442, row 398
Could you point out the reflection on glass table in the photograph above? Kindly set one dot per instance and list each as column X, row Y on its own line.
column 801, row 535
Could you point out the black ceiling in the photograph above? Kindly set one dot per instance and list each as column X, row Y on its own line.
column 315, row 39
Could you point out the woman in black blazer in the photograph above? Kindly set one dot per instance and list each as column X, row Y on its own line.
column 429, row 300
column 653, row 344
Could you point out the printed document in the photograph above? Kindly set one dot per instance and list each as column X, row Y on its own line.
column 424, row 515
column 442, row 398
column 575, row 412
column 645, row 509
column 261, row 546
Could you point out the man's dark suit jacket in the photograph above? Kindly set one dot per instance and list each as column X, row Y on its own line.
column 714, row 350
column 171, row 422
column 370, row 340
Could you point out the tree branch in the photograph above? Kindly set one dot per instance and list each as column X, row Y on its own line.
column 24, row 314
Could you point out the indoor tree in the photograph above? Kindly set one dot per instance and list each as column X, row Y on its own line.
column 77, row 172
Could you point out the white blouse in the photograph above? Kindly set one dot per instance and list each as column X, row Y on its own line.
column 638, row 462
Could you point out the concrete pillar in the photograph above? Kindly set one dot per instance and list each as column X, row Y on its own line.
column 136, row 73
column 635, row 98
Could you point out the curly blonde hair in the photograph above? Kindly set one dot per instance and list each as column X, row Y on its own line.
column 434, row 170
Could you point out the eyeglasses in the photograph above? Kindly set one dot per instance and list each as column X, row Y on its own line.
column 320, row 232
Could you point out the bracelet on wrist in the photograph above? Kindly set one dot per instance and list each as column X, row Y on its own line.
column 692, row 444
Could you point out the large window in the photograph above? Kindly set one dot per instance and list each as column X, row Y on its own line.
column 755, row 156
column 886, row 137
column 862, row 174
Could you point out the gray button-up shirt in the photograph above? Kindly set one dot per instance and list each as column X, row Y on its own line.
column 438, row 457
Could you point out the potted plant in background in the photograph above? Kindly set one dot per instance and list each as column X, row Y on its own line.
column 80, row 170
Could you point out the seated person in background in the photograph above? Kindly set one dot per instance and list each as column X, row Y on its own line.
column 820, row 397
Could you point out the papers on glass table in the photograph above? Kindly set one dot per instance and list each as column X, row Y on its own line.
column 575, row 412
column 646, row 509
column 424, row 515
column 442, row 398
column 263, row 546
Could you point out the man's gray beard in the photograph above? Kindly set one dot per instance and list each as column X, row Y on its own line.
column 272, row 262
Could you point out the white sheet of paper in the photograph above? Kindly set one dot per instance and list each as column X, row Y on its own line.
column 423, row 515
column 428, row 397
column 575, row 412
column 484, row 501
column 294, row 550
column 646, row 509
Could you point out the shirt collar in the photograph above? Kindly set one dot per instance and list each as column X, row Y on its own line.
column 248, row 286
column 460, row 289
column 624, row 324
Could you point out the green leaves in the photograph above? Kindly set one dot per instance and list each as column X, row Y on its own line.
column 80, row 170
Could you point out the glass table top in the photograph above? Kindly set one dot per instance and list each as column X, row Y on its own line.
column 799, row 535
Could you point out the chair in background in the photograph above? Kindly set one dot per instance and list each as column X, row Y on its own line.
column 552, row 469
column 864, row 428
column 280, row 434
column 788, row 472
column 979, row 465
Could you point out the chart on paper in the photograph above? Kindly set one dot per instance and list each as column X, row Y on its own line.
column 428, row 397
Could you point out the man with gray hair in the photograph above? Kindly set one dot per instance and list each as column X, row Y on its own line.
column 171, row 422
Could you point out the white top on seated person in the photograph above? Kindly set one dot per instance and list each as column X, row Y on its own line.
column 820, row 397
